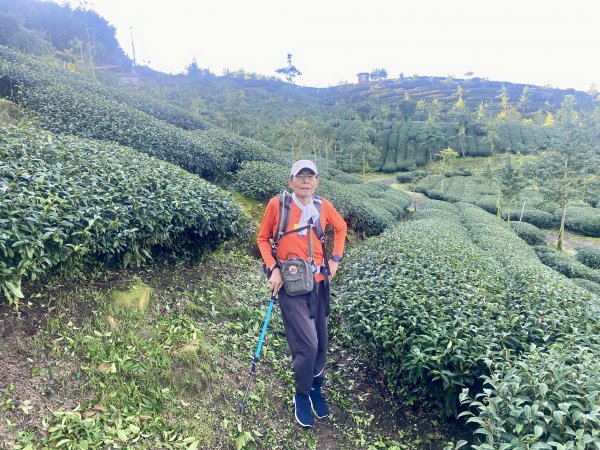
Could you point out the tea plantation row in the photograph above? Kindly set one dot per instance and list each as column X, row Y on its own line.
column 66, row 103
column 454, row 300
column 482, row 192
column 406, row 144
column 367, row 208
column 70, row 202
column 31, row 71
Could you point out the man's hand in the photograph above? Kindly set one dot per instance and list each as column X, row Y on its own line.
column 333, row 267
column 276, row 281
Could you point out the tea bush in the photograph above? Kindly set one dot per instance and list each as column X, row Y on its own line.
column 481, row 191
column 547, row 398
column 404, row 144
column 410, row 177
column 590, row 256
column 70, row 201
column 529, row 233
column 436, row 298
column 565, row 264
column 24, row 70
column 587, row 284
column 367, row 208
column 65, row 103
column 583, row 220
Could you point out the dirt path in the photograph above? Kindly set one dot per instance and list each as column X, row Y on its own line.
column 572, row 241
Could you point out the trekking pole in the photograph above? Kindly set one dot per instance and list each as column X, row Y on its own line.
column 243, row 405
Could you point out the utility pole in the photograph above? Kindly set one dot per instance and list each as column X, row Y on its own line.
column 87, row 32
column 133, row 48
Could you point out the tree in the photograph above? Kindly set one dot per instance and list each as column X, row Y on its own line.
column 447, row 158
column 511, row 182
column 461, row 115
column 524, row 99
column 194, row 71
column 433, row 137
column 509, row 112
column 549, row 122
column 290, row 72
column 378, row 74
column 492, row 134
column 562, row 171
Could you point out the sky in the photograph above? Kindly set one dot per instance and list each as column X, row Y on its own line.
column 522, row 41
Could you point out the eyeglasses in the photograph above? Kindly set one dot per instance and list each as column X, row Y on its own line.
column 305, row 176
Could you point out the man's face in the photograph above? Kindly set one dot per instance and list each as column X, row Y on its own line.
column 304, row 183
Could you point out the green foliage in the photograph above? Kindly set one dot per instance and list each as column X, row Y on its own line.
column 367, row 208
column 583, row 220
column 590, row 256
column 438, row 299
column 548, row 398
column 70, row 201
column 405, row 144
column 566, row 265
column 66, row 104
column 61, row 27
column 14, row 34
column 483, row 192
column 529, row 233
column 410, row 177
column 33, row 74
column 127, row 373
column 511, row 183
column 587, row 284
column 541, row 219
column 378, row 74
column 290, row 71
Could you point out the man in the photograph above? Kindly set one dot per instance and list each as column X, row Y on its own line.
column 305, row 316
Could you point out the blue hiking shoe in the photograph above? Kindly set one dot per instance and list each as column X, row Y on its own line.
column 302, row 410
column 317, row 402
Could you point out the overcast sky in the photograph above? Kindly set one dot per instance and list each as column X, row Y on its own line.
column 523, row 41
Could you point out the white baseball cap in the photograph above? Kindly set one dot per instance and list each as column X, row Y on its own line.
column 303, row 164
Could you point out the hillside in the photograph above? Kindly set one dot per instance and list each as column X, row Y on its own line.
column 132, row 298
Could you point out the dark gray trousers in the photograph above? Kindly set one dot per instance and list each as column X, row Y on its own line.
column 307, row 338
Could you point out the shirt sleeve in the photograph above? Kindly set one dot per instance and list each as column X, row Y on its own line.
column 340, row 228
column 266, row 228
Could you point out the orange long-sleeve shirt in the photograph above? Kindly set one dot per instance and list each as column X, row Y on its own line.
column 293, row 244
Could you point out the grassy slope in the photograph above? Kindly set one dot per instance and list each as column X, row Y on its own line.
column 54, row 354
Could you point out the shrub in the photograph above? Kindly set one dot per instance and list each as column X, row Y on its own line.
column 529, row 233
column 35, row 72
column 584, row 220
column 368, row 208
column 566, row 265
column 539, row 218
column 66, row 104
column 70, row 201
column 435, row 297
column 590, row 256
column 548, row 398
column 587, row 284
column 410, row 177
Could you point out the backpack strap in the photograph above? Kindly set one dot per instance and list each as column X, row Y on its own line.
column 318, row 201
column 285, row 204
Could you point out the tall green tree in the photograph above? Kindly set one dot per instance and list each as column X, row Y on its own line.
column 511, row 182
column 492, row 133
column 562, row 171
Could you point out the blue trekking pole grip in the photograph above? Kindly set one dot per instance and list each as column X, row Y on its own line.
column 263, row 332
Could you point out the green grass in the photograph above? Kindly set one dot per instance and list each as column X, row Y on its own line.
column 174, row 376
